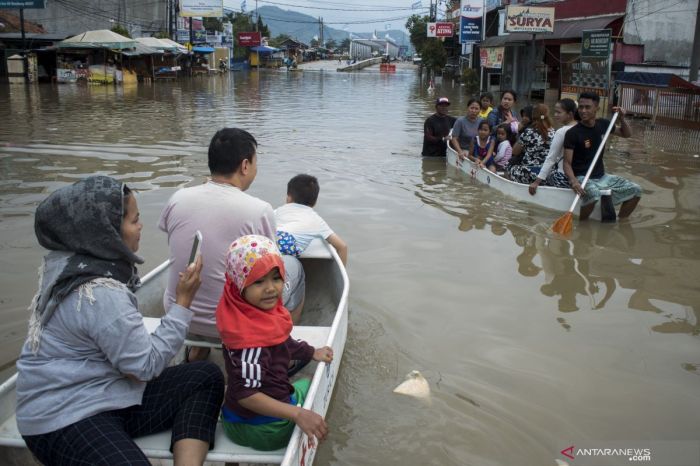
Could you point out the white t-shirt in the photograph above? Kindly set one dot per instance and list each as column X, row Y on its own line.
column 302, row 222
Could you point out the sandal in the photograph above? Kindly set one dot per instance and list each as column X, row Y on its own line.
column 189, row 348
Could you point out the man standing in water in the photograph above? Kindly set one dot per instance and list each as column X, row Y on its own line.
column 580, row 146
column 436, row 129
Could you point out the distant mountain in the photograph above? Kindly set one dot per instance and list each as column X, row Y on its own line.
column 303, row 27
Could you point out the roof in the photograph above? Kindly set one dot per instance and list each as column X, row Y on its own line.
column 99, row 39
column 140, row 49
column 11, row 24
column 181, row 48
column 156, row 43
column 264, row 49
column 563, row 29
column 654, row 80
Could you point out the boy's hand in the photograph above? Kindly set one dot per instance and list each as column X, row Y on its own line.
column 312, row 424
column 324, row 354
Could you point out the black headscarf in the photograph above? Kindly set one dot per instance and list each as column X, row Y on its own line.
column 81, row 225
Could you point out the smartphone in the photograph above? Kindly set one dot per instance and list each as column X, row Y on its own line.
column 196, row 247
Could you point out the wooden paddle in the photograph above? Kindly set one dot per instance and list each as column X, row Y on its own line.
column 565, row 224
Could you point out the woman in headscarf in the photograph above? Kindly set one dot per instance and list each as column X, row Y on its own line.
column 91, row 377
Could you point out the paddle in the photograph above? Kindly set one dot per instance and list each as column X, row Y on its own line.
column 565, row 224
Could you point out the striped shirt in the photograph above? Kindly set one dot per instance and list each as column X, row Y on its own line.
column 262, row 369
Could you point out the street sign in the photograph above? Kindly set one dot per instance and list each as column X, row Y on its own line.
column 248, row 39
column 529, row 19
column 470, row 27
column 440, row 29
column 595, row 43
column 22, row 4
column 203, row 8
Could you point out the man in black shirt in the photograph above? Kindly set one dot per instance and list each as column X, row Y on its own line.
column 436, row 129
column 580, row 145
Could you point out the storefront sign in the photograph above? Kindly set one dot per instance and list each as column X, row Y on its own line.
column 204, row 8
column 248, row 39
column 470, row 27
column 529, row 19
column 492, row 57
column 22, row 3
column 596, row 43
column 440, row 30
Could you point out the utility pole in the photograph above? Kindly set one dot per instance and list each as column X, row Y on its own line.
column 25, row 61
column 695, row 54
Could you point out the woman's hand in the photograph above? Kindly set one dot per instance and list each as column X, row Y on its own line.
column 324, row 354
column 463, row 154
column 311, row 424
column 533, row 187
column 189, row 283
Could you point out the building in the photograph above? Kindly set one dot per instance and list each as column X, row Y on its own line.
column 140, row 18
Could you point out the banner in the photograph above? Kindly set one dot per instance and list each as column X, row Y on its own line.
column 492, row 57
column 440, row 29
column 596, row 43
column 248, row 39
column 529, row 19
column 416, row 5
column 22, row 4
column 204, row 8
column 470, row 27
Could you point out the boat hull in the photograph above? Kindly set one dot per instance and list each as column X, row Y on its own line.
column 558, row 199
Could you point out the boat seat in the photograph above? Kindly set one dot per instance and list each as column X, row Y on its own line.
column 157, row 445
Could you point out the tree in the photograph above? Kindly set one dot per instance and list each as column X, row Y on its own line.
column 262, row 27
column 433, row 54
column 314, row 42
column 213, row 24
column 331, row 45
column 277, row 41
column 418, row 31
column 119, row 29
column 345, row 44
column 161, row 35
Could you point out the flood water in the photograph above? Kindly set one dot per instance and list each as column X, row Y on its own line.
column 530, row 343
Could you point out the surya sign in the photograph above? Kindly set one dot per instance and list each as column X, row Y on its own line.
column 529, row 19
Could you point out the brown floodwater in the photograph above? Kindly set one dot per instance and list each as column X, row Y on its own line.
column 530, row 343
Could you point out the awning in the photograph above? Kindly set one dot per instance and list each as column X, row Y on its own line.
column 654, row 80
column 563, row 29
column 203, row 49
column 264, row 49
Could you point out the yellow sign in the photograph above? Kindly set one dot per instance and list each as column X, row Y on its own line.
column 189, row 46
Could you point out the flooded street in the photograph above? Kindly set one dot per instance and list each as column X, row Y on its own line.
column 530, row 343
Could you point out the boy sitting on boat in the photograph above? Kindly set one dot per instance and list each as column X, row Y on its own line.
column 261, row 406
column 298, row 223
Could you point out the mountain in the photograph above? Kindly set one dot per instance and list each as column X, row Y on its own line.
column 303, row 27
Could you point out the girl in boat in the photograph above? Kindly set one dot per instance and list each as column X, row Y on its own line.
column 90, row 376
column 261, row 406
column 482, row 147
column 530, row 152
column 505, row 138
column 552, row 171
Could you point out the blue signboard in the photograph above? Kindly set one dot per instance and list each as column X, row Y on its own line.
column 469, row 30
column 22, row 4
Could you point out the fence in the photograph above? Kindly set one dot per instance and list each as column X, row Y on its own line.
column 672, row 106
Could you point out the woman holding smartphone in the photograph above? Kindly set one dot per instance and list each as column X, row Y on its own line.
column 90, row 377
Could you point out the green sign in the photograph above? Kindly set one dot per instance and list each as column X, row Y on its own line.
column 596, row 43
column 14, row 4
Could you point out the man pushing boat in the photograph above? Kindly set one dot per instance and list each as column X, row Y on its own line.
column 580, row 146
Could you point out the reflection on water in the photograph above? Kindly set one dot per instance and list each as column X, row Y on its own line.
column 528, row 340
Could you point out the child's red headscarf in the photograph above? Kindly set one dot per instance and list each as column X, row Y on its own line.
column 242, row 325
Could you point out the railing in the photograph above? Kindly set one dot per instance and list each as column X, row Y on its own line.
column 673, row 106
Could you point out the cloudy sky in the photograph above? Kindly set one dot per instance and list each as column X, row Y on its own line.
column 355, row 15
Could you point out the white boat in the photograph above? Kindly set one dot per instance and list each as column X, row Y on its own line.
column 558, row 199
column 325, row 320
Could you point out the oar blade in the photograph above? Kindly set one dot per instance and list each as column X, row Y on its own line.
column 564, row 225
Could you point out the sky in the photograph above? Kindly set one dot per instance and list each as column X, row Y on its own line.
column 355, row 15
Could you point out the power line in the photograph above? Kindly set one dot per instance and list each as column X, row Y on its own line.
column 337, row 9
